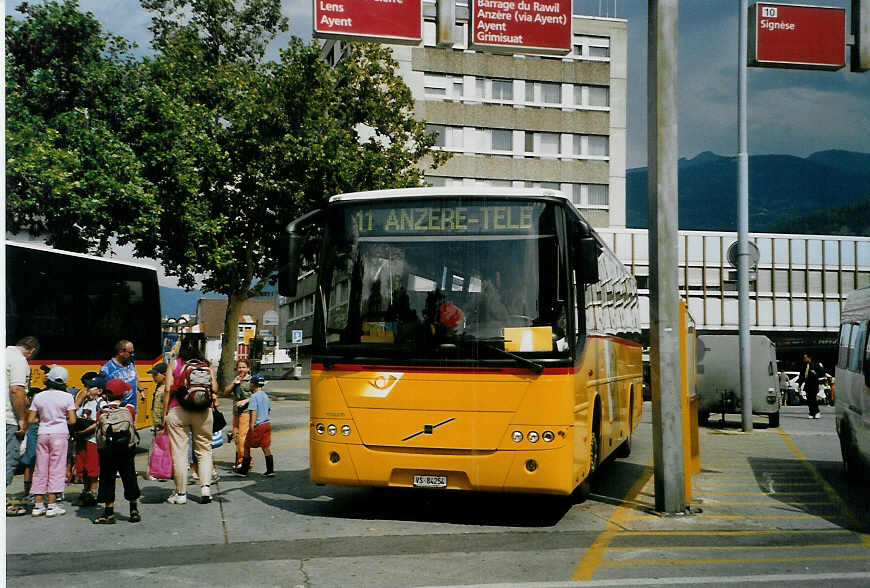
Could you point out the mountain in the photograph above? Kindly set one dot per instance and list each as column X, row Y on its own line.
column 176, row 301
column 781, row 187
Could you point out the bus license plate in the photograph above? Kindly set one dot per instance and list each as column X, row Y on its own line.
column 430, row 481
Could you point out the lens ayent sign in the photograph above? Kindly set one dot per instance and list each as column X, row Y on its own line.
column 392, row 21
column 530, row 26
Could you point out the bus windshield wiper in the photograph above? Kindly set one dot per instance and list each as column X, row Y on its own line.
column 488, row 343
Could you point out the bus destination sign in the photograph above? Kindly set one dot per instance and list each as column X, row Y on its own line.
column 393, row 21
column 502, row 219
column 797, row 37
column 533, row 26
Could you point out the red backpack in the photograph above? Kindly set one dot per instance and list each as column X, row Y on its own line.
column 193, row 388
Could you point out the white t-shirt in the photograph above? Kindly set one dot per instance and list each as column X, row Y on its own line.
column 90, row 409
column 17, row 374
column 52, row 407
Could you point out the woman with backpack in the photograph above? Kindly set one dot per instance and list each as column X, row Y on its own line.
column 187, row 398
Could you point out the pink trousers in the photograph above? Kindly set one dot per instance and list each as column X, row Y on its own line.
column 49, row 472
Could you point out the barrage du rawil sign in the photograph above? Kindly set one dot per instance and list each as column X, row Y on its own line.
column 396, row 21
column 539, row 26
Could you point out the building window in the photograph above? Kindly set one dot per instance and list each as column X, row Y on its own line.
column 599, row 95
column 502, row 140
column 598, row 195
column 543, row 93
column 591, row 47
column 440, row 130
column 591, row 145
column 551, row 93
column 599, row 146
column 502, row 90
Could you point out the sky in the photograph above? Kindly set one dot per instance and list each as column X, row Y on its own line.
column 793, row 112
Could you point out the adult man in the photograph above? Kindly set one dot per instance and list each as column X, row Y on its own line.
column 18, row 378
column 809, row 377
column 121, row 367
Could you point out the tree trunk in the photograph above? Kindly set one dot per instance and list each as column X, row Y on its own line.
column 229, row 340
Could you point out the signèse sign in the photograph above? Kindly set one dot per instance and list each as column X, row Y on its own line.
column 539, row 26
column 394, row 21
column 801, row 37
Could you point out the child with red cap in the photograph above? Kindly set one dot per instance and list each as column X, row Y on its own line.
column 116, row 442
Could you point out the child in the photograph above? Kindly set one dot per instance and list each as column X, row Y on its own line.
column 87, row 464
column 159, row 373
column 28, row 455
column 117, row 459
column 53, row 409
column 260, row 434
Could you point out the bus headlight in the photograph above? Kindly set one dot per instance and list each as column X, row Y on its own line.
column 517, row 436
column 548, row 436
column 320, row 428
column 533, row 437
column 345, row 430
column 331, row 429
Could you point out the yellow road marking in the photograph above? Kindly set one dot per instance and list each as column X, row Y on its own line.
column 769, row 503
column 677, row 562
column 832, row 494
column 662, row 548
column 733, row 533
column 739, row 516
column 756, row 493
column 594, row 555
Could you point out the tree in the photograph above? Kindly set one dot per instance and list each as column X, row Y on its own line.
column 237, row 146
column 69, row 173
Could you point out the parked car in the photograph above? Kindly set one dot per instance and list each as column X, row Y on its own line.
column 788, row 388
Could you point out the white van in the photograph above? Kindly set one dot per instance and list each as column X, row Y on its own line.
column 852, row 391
column 718, row 383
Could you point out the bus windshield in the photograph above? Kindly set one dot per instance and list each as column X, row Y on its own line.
column 424, row 278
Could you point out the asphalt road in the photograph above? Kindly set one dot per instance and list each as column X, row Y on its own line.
column 770, row 508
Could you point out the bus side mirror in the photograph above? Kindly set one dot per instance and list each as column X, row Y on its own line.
column 587, row 249
column 288, row 265
column 288, row 272
column 867, row 372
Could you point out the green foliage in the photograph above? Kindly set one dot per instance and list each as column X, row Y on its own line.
column 69, row 172
column 848, row 220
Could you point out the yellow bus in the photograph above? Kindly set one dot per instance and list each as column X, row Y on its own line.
column 79, row 306
column 475, row 339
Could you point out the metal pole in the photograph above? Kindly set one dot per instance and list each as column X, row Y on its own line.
column 743, row 225
column 664, row 331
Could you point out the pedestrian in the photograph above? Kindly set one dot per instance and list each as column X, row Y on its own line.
column 87, row 465
column 240, row 389
column 121, row 366
column 159, row 373
column 809, row 377
column 28, row 450
column 116, row 445
column 260, row 435
column 178, row 420
column 18, row 379
column 54, row 409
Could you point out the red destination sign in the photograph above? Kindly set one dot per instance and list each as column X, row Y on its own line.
column 396, row 21
column 792, row 36
column 535, row 26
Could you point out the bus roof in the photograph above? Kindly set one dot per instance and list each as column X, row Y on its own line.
column 857, row 306
column 450, row 191
column 47, row 249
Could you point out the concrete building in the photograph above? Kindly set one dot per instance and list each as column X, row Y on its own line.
column 526, row 120
column 800, row 283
